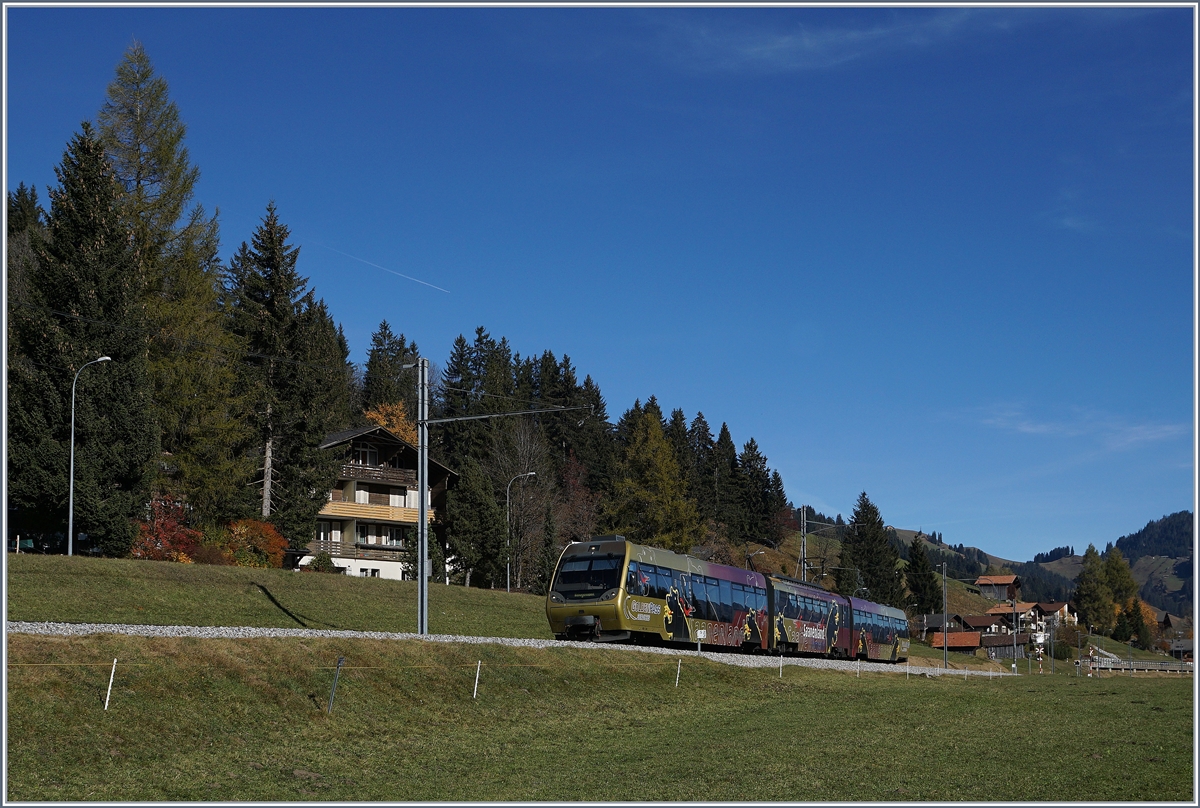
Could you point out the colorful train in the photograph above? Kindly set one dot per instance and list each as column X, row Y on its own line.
column 611, row 590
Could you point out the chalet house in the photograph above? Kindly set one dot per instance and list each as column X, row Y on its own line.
column 1025, row 615
column 933, row 622
column 1000, row 646
column 370, row 520
column 999, row 587
column 984, row 623
column 1182, row 649
column 1056, row 612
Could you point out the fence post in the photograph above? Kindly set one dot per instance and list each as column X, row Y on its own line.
column 110, row 676
column 678, row 668
column 333, row 689
column 477, row 667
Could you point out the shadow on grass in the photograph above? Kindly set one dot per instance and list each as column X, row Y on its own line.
column 288, row 611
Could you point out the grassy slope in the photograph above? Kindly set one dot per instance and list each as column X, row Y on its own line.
column 78, row 590
column 244, row 720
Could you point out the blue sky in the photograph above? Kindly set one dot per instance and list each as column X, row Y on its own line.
column 944, row 256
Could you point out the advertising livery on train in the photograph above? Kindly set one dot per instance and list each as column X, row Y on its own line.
column 611, row 590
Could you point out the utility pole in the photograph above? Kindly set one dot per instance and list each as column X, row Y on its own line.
column 423, row 493
column 945, row 628
column 423, row 422
column 804, row 542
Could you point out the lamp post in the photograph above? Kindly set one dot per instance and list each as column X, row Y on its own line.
column 71, row 473
column 508, row 529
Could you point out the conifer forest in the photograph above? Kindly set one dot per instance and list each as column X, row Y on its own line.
column 218, row 363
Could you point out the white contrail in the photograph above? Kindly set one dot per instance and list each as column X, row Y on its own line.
column 385, row 269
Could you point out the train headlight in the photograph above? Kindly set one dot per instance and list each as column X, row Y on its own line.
column 556, row 598
column 609, row 595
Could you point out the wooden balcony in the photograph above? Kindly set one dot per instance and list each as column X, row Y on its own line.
column 371, row 513
column 342, row 549
column 379, row 474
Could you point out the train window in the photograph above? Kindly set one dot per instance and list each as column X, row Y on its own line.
column 739, row 598
column 632, row 580
column 760, row 595
column 582, row 578
column 664, row 582
column 726, row 602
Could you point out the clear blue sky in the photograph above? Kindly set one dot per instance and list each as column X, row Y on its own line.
column 944, row 256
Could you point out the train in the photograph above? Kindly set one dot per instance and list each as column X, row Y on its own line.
column 608, row 589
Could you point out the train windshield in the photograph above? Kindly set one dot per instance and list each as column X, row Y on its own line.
column 582, row 578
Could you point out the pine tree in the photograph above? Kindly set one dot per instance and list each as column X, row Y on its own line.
column 299, row 382
column 754, row 496
column 84, row 302
column 727, row 487
column 191, row 356
column 869, row 552
column 1138, row 627
column 921, row 580
column 1121, row 631
column 1093, row 598
column 475, row 526
column 385, row 380
column 701, row 480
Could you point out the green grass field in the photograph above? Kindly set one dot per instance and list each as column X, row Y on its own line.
column 225, row 720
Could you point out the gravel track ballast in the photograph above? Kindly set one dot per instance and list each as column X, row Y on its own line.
column 248, row 632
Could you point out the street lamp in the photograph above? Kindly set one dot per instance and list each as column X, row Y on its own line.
column 71, row 473
column 508, row 528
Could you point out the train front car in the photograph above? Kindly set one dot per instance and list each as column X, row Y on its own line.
column 808, row 619
column 608, row 589
column 880, row 632
column 585, row 596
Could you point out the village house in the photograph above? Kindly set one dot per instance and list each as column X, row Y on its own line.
column 999, row 587
column 369, row 522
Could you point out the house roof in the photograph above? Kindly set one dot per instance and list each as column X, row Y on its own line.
column 996, row 640
column 1051, row 607
column 1007, row 608
column 996, row 580
column 981, row 620
column 933, row 621
column 438, row 471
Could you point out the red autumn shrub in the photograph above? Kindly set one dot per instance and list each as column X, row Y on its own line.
column 163, row 536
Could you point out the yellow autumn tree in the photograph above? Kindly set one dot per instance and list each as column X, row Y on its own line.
column 394, row 418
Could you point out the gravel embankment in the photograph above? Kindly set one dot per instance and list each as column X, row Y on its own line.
column 246, row 632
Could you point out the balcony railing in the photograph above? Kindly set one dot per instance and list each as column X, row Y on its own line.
column 343, row 549
column 379, row 474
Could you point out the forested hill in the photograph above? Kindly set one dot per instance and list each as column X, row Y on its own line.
column 1170, row 536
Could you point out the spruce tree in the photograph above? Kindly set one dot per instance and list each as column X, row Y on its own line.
column 475, row 526
column 385, row 380
column 754, row 496
column 702, row 480
column 921, row 580
column 84, row 301
column 727, row 487
column 868, row 550
column 299, row 380
column 1093, row 598
column 1137, row 625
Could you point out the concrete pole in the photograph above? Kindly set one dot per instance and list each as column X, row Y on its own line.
column 804, row 542
column 945, row 627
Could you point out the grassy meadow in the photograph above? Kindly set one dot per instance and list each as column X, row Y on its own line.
column 224, row 720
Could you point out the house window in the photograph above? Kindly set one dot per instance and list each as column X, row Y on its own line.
column 323, row 532
column 396, row 497
column 362, row 494
column 361, row 532
column 365, row 455
column 395, row 535
column 368, row 573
